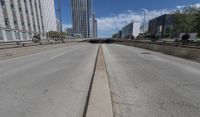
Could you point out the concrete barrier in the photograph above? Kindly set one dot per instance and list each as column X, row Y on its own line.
column 183, row 52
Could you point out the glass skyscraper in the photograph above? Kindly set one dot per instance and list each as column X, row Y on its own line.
column 82, row 18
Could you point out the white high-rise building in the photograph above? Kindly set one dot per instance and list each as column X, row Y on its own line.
column 131, row 30
column 22, row 19
column 49, row 15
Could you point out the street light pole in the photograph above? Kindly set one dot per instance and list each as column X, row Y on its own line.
column 59, row 10
column 144, row 20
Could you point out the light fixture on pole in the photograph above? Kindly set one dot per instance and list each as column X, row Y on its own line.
column 59, row 10
column 144, row 20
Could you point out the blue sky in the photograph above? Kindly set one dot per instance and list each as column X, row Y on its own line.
column 121, row 12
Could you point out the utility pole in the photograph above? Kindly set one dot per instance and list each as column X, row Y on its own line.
column 144, row 20
column 59, row 10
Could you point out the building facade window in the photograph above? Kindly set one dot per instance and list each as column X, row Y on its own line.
column 12, row 7
column 24, row 36
column 3, row 4
column 6, row 21
column 9, row 35
column 37, row 17
column 30, row 36
column 14, row 14
column 32, row 15
column 1, row 35
column 27, row 15
column 17, row 36
column 20, row 11
column 21, row 14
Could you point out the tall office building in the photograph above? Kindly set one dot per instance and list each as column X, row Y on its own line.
column 131, row 30
column 22, row 19
column 82, row 18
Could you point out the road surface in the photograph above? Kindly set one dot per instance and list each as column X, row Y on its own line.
column 149, row 84
column 143, row 83
column 52, row 83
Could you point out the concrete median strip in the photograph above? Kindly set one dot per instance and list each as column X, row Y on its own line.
column 100, row 104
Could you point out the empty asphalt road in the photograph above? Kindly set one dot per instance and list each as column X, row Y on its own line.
column 143, row 83
column 52, row 83
column 149, row 84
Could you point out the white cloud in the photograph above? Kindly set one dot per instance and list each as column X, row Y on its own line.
column 109, row 25
column 180, row 6
column 65, row 26
column 197, row 5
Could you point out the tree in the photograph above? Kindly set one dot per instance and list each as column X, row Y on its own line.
column 186, row 19
column 198, row 24
column 184, row 22
column 56, row 35
column 52, row 34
